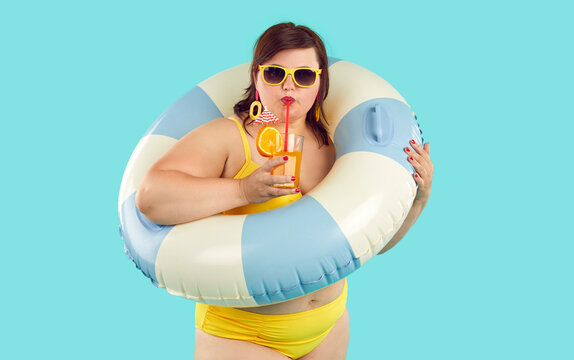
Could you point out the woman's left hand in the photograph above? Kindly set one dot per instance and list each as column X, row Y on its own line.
column 420, row 160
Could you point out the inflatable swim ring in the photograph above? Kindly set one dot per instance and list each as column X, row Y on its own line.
column 274, row 256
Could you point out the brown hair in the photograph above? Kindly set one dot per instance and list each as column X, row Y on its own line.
column 282, row 37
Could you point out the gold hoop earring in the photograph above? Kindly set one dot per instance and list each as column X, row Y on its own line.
column 258, row 105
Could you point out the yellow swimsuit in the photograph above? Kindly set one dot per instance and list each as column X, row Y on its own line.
column 248, row 167
column 294, row 335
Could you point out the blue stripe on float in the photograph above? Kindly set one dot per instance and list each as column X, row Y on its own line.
column 192, row 110
column 333, row 60
column 308, row 251
column 383, row 126
column 142, row 237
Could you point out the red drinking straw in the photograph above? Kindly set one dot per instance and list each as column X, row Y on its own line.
column 287, row 124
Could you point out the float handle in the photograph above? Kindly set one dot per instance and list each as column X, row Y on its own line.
column 378, row 126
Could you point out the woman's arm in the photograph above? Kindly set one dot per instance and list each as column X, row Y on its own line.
column 179, row 187
column 420, row 159
column 411, row 218
column 173, row 197
column 193, row 179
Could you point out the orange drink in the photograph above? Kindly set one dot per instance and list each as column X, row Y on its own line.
column 291, row 167
column 293, row 148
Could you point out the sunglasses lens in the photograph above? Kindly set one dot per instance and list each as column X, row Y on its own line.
column 305, row 77
column 273, row 75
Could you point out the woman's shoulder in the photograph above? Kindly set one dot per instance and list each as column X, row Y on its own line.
column 210, row 150
column 222, row 130
column 222, row 123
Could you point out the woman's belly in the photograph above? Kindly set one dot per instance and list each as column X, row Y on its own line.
column 304, row 303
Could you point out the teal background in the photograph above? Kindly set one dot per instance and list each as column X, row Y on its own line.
column 487, row 271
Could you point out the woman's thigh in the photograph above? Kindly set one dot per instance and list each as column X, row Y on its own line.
column 334, row 346
column 210, row 347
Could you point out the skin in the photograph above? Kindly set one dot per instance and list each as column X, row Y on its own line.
column 179, row 188
column 419, row 157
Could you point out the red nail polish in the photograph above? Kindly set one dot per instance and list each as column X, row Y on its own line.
column 416, row 175
column 297, row 190
column 292, row 178
column 411, row 158
column 412, row 142
column 407, row 149
column 285, row 158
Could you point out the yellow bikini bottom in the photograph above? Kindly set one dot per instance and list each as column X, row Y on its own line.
column 294, row 335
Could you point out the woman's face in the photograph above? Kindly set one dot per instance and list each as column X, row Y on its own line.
column 271, row 95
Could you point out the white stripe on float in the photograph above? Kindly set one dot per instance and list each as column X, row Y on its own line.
column 226, row 88
column 351, row 85
column 367, row 194
column 204, row 257
column 147, row 152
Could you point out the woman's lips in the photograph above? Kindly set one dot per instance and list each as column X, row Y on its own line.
column 287, row 100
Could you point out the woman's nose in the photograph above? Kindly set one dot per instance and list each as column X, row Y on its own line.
column 289, row 84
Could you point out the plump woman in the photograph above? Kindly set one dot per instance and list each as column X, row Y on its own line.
column 217, row 169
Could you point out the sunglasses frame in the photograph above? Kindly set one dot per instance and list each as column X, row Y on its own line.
column 291, row 72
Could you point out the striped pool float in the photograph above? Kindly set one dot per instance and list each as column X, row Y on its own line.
column 270, row 257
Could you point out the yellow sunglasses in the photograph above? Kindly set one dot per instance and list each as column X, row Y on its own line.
column 276, row 75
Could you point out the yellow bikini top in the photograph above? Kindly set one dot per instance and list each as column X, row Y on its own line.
column 248, row 167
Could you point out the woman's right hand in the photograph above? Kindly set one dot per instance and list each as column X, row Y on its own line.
column 258, row 186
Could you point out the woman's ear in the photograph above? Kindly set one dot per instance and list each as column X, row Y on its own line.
column 254, row 75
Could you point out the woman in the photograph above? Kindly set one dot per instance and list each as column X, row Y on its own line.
column 220, row 158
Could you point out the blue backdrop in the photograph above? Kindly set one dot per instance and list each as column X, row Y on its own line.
column 485, row 273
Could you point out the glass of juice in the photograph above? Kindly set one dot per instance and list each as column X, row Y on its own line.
column 293, row 148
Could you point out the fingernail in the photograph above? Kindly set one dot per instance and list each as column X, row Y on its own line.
column 412, row 142
column 297, row 190
column 285, row 158
column 407, row 149
column 411, row 158
column 416, row 175
column 292, row 178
